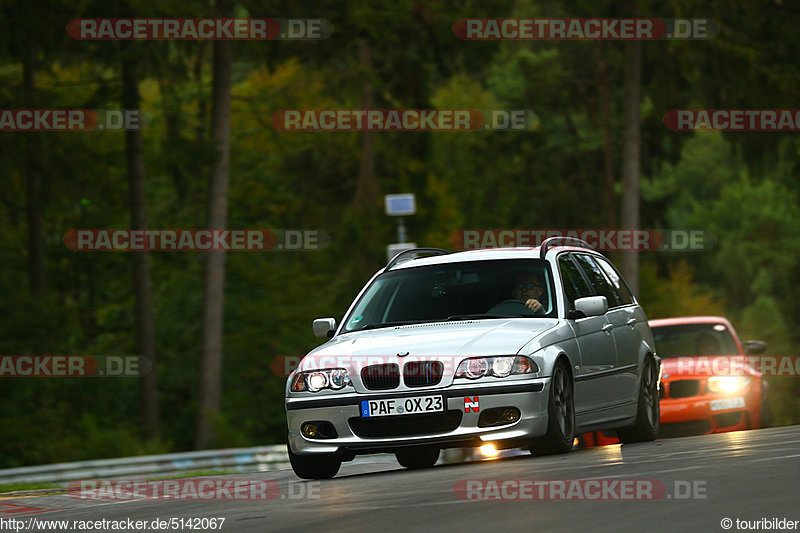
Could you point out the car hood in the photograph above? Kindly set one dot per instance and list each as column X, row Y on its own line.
column 700, row 366
column 430, row 341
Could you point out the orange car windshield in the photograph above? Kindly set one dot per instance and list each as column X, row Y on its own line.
column 694, row 339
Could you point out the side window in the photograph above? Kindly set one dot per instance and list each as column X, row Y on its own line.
column 599, row 282
column 574, row 285
column 616, row 281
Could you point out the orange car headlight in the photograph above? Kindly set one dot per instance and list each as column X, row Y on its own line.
column 727, row 384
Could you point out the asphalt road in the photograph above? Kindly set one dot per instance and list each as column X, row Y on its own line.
column 692, row 483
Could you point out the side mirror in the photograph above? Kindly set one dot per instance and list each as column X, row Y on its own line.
column 324, row 327
column 592, row 305
column 755, row 347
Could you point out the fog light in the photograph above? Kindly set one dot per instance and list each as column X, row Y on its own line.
column 310, row 430
column 511, row 414
column 488, row 450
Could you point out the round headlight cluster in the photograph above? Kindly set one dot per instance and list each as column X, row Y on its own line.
column 501, row 366
column 498, row 366
column 476, row 368
column 338, row 378
column 316, row 380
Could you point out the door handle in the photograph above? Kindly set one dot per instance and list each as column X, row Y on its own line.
column 608, row 328
column 631, row 322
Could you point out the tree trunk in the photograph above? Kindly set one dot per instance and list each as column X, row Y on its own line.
column 33, row 182
column 172, row 141
column 214, row 282
column 630, row 158
column 197, row 70
column 367, row 187
column 608, row 148
column 142, row 284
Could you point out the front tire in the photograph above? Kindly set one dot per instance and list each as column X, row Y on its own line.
column 417, row 458
column 648, row 412
column 560, row 415
column 314, row 466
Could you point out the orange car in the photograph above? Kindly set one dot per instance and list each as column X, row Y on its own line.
column 703, row 388
column 701, row 393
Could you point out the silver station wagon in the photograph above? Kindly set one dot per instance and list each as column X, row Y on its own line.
column 514, row 347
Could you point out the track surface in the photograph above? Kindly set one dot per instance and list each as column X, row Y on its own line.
column 747, row 475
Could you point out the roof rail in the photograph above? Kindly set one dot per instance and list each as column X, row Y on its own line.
column 568, row 241
column 405, row 255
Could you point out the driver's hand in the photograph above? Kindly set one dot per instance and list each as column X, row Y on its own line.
column 533, row 305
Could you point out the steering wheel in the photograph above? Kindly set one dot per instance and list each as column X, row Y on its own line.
column 512, row 306
column 512, row 301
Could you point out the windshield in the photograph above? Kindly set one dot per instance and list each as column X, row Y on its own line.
column 694, row 339
column 456, row 291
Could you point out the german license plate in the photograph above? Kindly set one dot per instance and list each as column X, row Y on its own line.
column 402, row 406
column 727, row 403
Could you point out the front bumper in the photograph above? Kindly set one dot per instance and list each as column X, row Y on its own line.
column 694, row 415
column 343, row 412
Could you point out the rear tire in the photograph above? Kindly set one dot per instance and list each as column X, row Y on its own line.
column 314, row 466
column 560, row 415
column 648, row 412
column 416, row 458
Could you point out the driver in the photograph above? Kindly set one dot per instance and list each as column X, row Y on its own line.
column 528, row 288
column 707, row 344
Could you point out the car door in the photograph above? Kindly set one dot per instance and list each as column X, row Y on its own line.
column 598, row 354
column 623, row 322
column 628, row 320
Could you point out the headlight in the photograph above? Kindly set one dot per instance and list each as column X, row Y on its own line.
column 499, row 367
column 727, row 384
column 316, row 380
column 338, row 378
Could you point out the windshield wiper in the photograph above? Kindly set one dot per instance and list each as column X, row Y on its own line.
column 478, row 316
column 392, row 324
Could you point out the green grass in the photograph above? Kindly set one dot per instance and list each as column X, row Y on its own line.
column 14, row 487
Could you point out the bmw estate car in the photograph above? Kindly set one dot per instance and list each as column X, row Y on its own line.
column 514, row 347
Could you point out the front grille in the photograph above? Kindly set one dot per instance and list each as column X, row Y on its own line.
column 422, row 373
column 684, row 388
column 679, row 429
column 381, row 377
column 728, row 419
column 406, row 425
